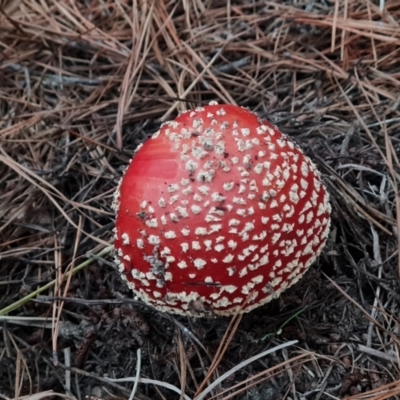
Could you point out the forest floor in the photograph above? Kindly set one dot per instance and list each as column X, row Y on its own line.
column 82, row 83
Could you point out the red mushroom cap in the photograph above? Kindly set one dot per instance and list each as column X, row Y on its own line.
column 218, row 213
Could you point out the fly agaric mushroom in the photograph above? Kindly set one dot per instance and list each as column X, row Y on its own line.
column 218, row 213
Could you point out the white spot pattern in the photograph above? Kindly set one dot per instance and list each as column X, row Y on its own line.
column 268, row 196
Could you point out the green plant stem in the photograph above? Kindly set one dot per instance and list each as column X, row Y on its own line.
column 30, row 296
column 279, row 331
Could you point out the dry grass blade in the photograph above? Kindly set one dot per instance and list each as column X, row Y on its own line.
column 45, row 395
column 393, row 165
column 25, row 174
column 152, row 382
column 264, row 377
column 395, row 339
column 386, row 392
column 223, row 347
column 202, row 395
column 59, row 283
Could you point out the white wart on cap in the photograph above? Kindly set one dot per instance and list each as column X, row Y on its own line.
column 218, row 213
